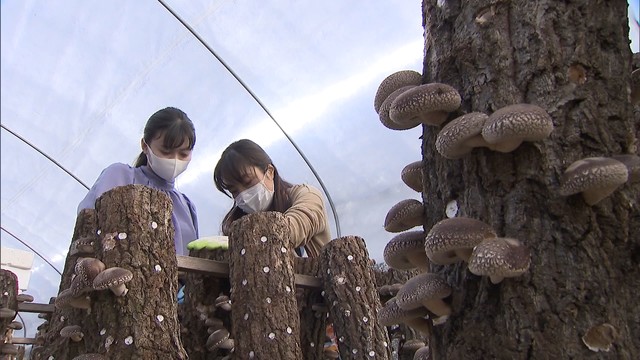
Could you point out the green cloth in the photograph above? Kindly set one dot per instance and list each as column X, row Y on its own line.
column 209, row 243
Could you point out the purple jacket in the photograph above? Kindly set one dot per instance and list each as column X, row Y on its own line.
column 184, row 215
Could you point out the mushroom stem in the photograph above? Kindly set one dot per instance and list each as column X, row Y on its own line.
column 464, row 254
column 119, row 290
column 434, row 118
column 419, row 323
column 438, row 307
column 420, row 260
column 505, row 146
column 495, row 279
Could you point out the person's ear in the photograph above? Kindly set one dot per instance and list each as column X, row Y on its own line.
column 144, row 146
column 272, row 172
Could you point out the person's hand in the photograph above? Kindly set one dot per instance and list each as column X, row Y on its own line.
column 209, row 243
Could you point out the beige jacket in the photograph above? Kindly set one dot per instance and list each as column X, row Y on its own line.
column 307, row 219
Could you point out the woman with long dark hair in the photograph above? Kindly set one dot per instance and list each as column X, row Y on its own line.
column 246, row 174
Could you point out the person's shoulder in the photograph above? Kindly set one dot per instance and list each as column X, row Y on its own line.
column 118, row 168
column 305, row 189
column 118, row 171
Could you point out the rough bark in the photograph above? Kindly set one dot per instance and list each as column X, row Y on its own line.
column 8, row 292
column 264, row 312
column 350, row 291
column 201, row 292
column 313, row 311
column 53, row 344
column 573, row 60
column 136, row 233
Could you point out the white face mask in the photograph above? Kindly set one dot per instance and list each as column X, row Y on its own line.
column 256, row 198
column 167, row 169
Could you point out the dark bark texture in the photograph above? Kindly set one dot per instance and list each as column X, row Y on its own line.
column 350, row 292
column 572, row 58
column 136, row 233
column 201, row 292
column 8, row 292
column 264, row 312
column 54, row 344
column 313, row 311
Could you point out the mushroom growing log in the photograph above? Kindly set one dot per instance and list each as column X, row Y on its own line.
column 136, row 234
column 264, row 315
column 350, row 291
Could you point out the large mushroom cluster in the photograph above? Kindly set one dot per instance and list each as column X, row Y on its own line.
column 403, row 102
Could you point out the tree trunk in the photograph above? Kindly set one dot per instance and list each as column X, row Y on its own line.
column 573, row 60
column 350, row 292
column 54, row 345
column 8, row 302
column 264, row 312
column 136, row 233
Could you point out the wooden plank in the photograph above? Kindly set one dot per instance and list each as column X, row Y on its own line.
column 221, row 269
column 35, row 307
column 23, row 341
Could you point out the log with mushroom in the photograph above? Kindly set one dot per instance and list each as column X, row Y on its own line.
column 405, row 251
column 113, row 278
column 452, row 240
column 499, row 258
column 426, row 290
column 594, row 177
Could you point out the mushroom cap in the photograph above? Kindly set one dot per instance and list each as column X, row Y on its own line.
column 461, row 135
column 383, row 112
column 509, row 126
column 66, row 299
column 411, row 175
column 15, row 325
column 112, row 277
column 632, row 162
column 453, row 235
column 223, row 302
column 73, row 332
column 411, row 346
column 219, row 339
column 595, row 177
column 389, row 289
column 404, row 215
column 422, row 288
column 427, row 104
column 6, row 313
column 393, row 82
column 405, row 251
column 499, row 258
column 83, row 245
column 392, row 314
column 600, row 337
column 424, row 353
column 24, row 298
column 88, row 268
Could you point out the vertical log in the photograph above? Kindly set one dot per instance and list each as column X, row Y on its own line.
column 8, row 300
column 55, row 345
column 350, row 291
column 264, row 311
column 200, row 294
column 313, row 311
column 136, row 233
